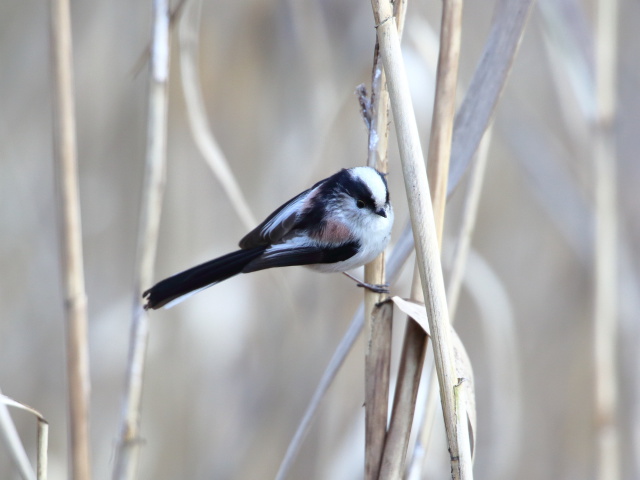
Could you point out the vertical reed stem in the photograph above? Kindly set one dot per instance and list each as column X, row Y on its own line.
column 71, row 239
column 378, row 327
column 415, row 341
column 378, row 352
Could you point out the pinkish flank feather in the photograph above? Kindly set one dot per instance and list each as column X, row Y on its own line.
column 335, row 232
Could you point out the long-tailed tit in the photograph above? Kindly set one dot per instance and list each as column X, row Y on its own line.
column 341, row 223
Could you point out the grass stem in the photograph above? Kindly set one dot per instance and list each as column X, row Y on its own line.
column 127, row 451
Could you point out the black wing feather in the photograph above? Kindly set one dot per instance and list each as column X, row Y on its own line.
column 257, row 237
column 310, row 255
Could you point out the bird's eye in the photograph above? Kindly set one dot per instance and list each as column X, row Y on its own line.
column 360, row 204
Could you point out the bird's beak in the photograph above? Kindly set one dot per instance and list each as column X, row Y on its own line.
column 381, row 212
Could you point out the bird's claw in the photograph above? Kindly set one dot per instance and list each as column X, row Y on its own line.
column 383, row 288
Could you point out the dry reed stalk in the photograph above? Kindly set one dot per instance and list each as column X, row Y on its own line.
column 377, row 375
column 127, row 452
column 422, row 220
column 444, row 108
column 378, row 350
column 379, row 326
column 477, row 108
column 493, row 57
column 415, row 340
column 75, row 301
column 469, row 216
column 43, row 448
column 605, row 262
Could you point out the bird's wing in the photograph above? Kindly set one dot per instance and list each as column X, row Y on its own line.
column 285, row 255
column 279, row 223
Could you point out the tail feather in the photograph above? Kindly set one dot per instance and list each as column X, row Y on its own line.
column 169, row 291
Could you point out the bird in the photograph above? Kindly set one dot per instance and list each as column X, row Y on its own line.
column 342, row 222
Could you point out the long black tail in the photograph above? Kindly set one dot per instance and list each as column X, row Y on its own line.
column 199, row 277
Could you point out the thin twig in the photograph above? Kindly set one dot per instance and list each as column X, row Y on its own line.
column 127, row 453
column 174, row 17
column 197, row 115
column 71, row 239
column 422, row 220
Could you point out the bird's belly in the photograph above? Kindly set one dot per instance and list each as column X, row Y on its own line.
column 364, row 256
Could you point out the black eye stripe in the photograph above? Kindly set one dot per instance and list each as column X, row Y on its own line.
column 360, row 191
column 344, row 182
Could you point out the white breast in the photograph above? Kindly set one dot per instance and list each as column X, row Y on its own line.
column 374, row 237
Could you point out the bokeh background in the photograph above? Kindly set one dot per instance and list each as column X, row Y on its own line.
column 230, row 371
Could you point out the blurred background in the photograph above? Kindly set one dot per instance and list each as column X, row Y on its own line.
column 230, row 371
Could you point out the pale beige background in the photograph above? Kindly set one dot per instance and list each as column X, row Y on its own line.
column 230, row 371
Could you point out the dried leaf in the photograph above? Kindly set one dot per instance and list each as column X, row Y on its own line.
column 12, row 403
column 465, row 389
column 413, row 309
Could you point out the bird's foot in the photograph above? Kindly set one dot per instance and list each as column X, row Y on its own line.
column 383, row 288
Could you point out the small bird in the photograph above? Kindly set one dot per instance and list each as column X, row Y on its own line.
column 341, row 223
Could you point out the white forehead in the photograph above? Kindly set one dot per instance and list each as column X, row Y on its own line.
column 373, row 181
